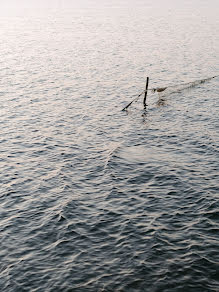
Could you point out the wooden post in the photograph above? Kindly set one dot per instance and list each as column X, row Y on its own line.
column 146, row 91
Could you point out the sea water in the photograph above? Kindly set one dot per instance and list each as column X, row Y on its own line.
column 93, row 198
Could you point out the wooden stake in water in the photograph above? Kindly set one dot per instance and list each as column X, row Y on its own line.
column 146, row 91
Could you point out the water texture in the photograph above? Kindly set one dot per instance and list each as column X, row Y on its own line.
column 93, row 198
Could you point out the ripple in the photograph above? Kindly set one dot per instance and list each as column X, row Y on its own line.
column 92, row 198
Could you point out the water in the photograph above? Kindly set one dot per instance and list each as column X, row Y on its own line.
column 93, row 198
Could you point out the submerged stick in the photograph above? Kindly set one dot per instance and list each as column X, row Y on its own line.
column 125, row 108
column 146, row 91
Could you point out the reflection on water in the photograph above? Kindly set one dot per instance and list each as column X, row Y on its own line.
column 161, row 101
column 94, row 198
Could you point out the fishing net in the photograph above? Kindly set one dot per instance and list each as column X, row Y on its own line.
column 180, row 87
column 172, row 89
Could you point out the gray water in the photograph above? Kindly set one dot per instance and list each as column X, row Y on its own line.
column 93, row 198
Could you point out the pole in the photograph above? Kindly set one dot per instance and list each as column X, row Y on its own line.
column 146, row 91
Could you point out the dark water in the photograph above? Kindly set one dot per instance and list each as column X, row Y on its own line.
column 93, row 198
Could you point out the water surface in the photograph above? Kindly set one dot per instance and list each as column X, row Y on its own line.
column 93, row 198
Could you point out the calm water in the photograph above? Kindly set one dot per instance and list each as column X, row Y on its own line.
column 93, row 198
